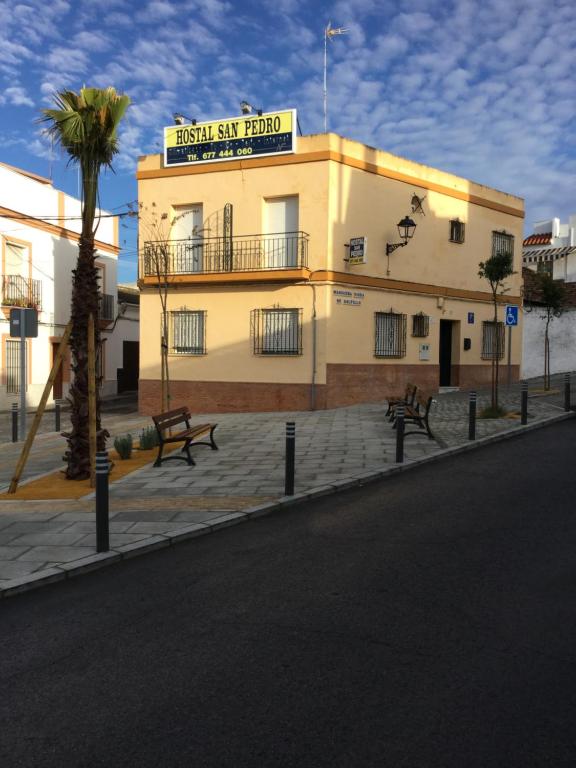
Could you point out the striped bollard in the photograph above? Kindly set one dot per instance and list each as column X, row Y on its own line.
column 472, row 417
column 102, row 521
column 14, row 422
column 524, row 404
column 566, row 391
column 290, row 458
column 399, row 434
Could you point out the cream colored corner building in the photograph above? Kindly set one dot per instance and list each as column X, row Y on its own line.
column 266, row 311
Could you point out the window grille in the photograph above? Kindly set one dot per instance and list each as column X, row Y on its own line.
column 390, row 334
column 187, row 333
column 492, row 340
column 277, row 331
column 13, row 366
column 502, row 244
column 457, row 231
column 544, row 267
column 420, row 325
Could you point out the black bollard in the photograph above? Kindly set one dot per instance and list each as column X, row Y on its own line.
column 57, row 415
column 472, row 417
column 290, row 458
column 399, row 434
column 102, row 522
column 566, row 391
column 524, row 404
column 14, row 422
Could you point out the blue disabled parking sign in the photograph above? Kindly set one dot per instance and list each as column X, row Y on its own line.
column 511, row 314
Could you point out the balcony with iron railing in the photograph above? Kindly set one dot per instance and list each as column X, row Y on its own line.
column 20, row 291
column 217, row 255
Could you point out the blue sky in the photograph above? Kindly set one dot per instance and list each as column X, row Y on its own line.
column 482, row 88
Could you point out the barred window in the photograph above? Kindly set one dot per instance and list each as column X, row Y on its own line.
column 502, row 244
column 492, row 340
column 456, row 231
column 420, row 325
column 390, row 334
column 545, row 267
column 187, row 333
column 13, row 366
column 277, row 331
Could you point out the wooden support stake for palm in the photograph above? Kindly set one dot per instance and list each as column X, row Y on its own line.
column 92, row 399
column 40, row 410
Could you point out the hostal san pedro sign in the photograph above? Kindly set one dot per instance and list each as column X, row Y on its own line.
column 273, row 133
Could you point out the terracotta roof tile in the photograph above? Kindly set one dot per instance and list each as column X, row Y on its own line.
column 543, row 239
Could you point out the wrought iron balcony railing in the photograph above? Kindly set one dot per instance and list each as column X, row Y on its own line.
column 20, row 291
column 239, row 253
column 106, row 306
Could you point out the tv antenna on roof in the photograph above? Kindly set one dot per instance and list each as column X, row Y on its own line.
column 329, row 33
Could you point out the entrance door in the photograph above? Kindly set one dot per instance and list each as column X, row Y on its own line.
column 187, row 230
column 281, row 227
column 445, row 353
column 128, row 374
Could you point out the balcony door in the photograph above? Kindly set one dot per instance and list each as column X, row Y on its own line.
column 280, row 230
column 187, row 253
column 16, row 288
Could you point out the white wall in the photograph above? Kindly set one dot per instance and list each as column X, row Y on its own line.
column 562, row 343
column 53, row 256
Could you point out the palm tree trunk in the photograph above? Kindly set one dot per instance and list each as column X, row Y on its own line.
column 85, row 301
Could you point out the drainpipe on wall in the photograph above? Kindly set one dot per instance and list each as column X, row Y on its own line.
column 313, row 385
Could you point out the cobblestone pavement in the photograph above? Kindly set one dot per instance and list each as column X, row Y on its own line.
column 157, row 506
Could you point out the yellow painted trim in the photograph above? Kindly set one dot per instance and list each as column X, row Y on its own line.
column 28, row 174
column 116, row 232
column 404, row 286
column 61, row 206
column 44, row 226
column 329, row 276
column 220, row 278
column 337, row 157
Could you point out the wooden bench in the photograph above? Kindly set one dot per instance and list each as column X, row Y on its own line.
column 418, row 414
column 188, row 434
column 407, row 400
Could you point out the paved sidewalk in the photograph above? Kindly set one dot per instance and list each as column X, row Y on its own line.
column 149, row 508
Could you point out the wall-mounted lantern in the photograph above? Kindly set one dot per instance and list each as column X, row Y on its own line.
column 406, row 229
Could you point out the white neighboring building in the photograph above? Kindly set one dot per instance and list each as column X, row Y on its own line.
column 124, row 339
column 39, row 232
column 552, row 248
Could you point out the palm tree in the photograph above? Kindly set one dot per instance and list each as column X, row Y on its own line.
column 85, row 124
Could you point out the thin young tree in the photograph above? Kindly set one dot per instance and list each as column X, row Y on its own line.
column 156, row 263
column 496, row 270
column 85, row 125
column 162, row 257
column 549, row 298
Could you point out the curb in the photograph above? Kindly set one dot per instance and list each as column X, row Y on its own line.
column 161, row 541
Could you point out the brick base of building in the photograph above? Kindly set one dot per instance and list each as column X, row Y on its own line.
column 230, row 396
column 346, row 385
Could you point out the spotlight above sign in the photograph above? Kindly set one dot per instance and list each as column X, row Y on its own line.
column 237, row 138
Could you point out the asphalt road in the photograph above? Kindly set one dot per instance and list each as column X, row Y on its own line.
column 425, row 621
